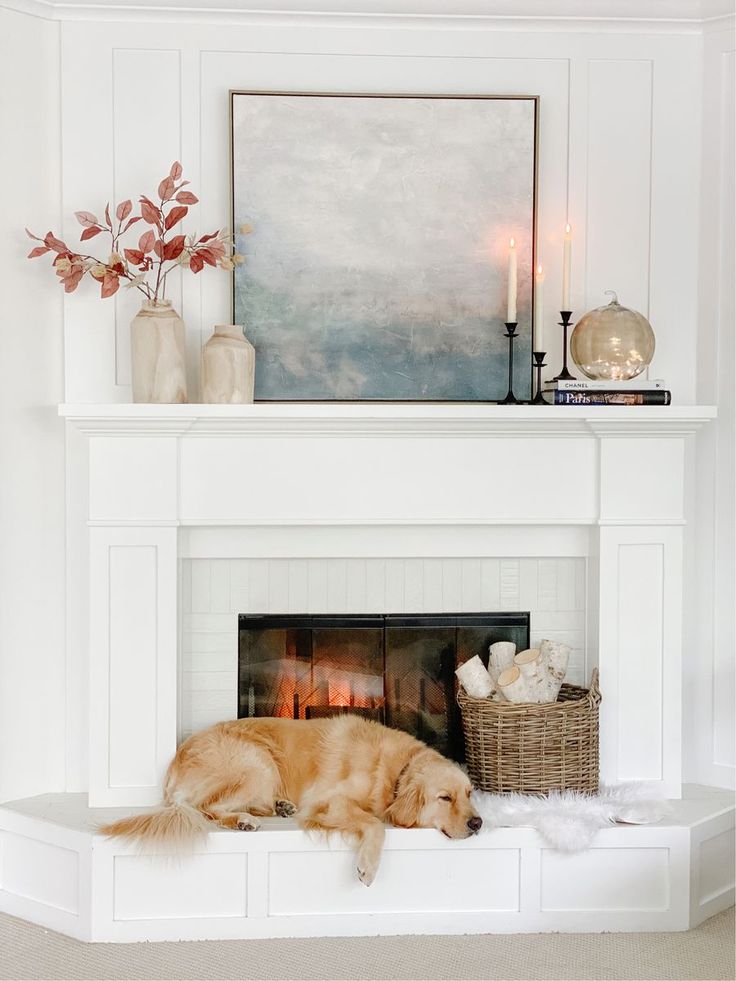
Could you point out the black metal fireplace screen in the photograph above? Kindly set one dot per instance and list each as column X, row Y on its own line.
column 399, row 670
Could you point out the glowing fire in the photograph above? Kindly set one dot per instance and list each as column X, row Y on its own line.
column 321, row 688
column 349, row 690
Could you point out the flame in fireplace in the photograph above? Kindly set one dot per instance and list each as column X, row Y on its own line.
column 348, row 689
column 294, row 689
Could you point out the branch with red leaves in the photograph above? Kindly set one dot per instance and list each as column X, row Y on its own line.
column 146, row 267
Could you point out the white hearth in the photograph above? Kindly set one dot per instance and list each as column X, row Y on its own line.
column 197, row 513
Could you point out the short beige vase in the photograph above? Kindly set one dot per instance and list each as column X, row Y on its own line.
column 228, row 367
column 158, row 354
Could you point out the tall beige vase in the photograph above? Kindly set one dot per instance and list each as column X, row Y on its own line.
column 228, row 366
column 158, row 354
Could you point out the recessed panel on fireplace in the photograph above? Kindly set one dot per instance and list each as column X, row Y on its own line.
column 398, row 670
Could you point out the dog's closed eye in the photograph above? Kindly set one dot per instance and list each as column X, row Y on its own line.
column 444, row 797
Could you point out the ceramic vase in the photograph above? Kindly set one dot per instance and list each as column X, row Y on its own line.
column 158, row 354
column 228, row 366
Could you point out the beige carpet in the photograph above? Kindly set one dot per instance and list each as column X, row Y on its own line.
column 704, row 954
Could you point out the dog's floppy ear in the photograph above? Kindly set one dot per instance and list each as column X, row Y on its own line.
column 404, row 811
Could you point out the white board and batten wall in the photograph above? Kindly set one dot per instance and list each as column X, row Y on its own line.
column 712, row 670
column 620, row 158
column 608, row 139
column 32, row 534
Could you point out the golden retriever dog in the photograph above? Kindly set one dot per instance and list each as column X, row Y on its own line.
column 343, row 774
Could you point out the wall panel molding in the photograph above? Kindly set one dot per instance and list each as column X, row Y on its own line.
column 133, row 679
column 608, row 136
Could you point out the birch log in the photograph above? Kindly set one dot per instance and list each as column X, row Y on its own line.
column 500, row 657
column 474, row 678
column 556, row 655
column 533, row 669
column 512, row 686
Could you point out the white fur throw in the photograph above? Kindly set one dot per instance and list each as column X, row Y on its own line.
column 569, row 820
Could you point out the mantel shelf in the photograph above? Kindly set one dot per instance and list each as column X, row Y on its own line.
column 395, row 419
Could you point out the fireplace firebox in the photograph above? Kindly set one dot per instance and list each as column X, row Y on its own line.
column 396, row 669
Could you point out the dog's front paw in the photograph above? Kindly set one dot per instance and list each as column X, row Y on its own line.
column 367, row 875
column 246, row 822
column 284, row 808
column 369, row 856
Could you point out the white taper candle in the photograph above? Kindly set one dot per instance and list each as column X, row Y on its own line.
column 566, row 267
column 537, row 341
column 511, row 300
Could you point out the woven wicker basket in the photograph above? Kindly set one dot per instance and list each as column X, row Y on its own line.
column 533, row 749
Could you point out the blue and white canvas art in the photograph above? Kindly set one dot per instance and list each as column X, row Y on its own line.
column 376, row 268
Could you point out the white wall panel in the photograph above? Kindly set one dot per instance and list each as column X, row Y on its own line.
column 648, row 497
column 157, row 133
column 640, row 660
column 348, row 491
column 711, row 672
column 619, row 181
column 622, row 878
column 474, row 880
column 717, row 856
column 133, row 667
column 639, row 654
column 724, row 648
column 40, row 871
column 608, row 137
column 32, row 505
column 132, row 581
column 198, row 886
column 133, row 480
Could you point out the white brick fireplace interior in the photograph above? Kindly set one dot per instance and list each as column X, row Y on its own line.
column 148, row 529
column 215, row 591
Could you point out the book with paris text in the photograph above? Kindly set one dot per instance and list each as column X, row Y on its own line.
column 577, row 397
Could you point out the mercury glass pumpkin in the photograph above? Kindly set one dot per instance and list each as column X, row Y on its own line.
column 612, row 343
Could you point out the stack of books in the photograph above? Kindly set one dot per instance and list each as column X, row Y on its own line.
column 637, row 391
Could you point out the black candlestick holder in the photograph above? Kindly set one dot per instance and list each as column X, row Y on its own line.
column 539, row 398
column 510, row 399
column 564, row 374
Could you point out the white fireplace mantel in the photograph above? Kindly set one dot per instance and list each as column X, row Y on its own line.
column 452, row 476
column 372, row 419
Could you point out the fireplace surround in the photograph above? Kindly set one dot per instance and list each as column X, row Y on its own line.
column 172, row 483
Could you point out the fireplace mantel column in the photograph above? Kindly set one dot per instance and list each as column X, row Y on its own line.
column 640, row 594
column 133, row 618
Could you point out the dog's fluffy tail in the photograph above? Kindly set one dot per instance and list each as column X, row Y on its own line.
column 175, row 826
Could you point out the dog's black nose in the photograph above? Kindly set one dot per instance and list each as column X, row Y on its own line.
column 475, row 824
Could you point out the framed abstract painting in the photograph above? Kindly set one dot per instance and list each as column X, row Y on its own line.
column 376, row 233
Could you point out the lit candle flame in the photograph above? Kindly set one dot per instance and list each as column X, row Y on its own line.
column 568, row 229
column 512, row 243
column 540, row 270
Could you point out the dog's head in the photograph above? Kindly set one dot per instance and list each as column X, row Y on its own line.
column 432, row 792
